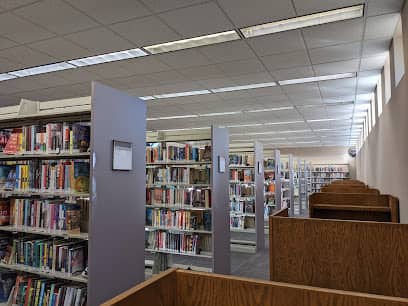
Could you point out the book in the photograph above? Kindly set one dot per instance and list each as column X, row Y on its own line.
column 81, row 176
column 7, row 281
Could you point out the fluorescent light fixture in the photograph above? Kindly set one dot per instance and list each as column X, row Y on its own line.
column 244, row 125
column 6, row 76
column 254, row 133
column 293, row 131
column 304, row 21
column 182, row 94
column 108, row 57
column 328, row 119
column 145, row 98
column 42, row 69
column 172, row 117
column 307, row 142
column 219, row 114
column 271, row 109
column 243, row 87
column 193, row 42
column 282, row 123
column 318, row 78
column 258, row 139
column 186, row 129
column 324, row 130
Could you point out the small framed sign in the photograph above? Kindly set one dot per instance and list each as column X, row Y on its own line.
column 221, row 164
column 122, row 156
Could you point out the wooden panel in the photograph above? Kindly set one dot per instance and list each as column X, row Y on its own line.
column 201, row 289
column 347, row 189
column 349, row 199
column 158, row 291
column 349, row 182
column 358, row 256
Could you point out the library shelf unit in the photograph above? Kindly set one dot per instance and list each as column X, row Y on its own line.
column 301, row 204
column 246, row 198
column 324, row 174
column 60, row 188
column 286, row 178
column 272, row 183
column 187, row 202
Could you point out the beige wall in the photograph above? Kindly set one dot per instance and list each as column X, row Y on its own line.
column 383, row 160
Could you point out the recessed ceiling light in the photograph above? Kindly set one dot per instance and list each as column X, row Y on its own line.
column 243, row 87
column 304, row 21
column 182, row 94
column 187, row 129
column 6, row 76
column 108, row 57
column 146, row 98
column 172, row 117
column 193, row 42
column 328, row 119
column 318, row 78
column 244, row 125
column 219, row 114
column 42, row 69
column 271, row 109
column 287, row 122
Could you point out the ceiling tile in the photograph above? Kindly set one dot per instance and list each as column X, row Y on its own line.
column 100, row 40
column 108, row 11
column 313, row 6
column 77, row 75
column 63, row 20
column 381, row 26
column 334, row 33
column 376, row 46
column 251, row 78
column 337, row 67
column 229, row 51
column 335, row 53
column 8, row 65
column 145, row 31
column 23, row 31
column 6, row 43
column 27, row 57
column 142, row 65
column 202, row 72
column 293, row 73
column 380, row 7
column 373, row 62
column 158, row 6
column 218, row 83
column 60, row 48
column 242, row 67
column 167, row 77
column 277, row 43
column 246, row 13
column 184, row 59
column 286, row 60
column 197, row 20
column 109, row 70
column 12, row 4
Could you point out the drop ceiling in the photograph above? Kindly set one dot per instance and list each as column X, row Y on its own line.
column 35, row 33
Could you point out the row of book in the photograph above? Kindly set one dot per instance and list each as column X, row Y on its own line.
column 182, row 243
column 330, row 169
column 242, row 206
column 239, row 190
column 241, row 175
column 45, row 175
column 174, row 151
column 51, row 215
column 47, row 254
column 180, row 219
column 35, row 291
column 176, row 196
column 269, row 163
column 47, row 138
column 330, row 175
column 238, row 159
column 269, row 187
column 178, row 175
column 269, row 176
column 268, row 210
column 240, row 222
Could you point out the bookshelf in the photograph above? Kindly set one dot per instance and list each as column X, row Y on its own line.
column 246, row 197
column 187, row 211
column 286, row 179
column 324, row 174
column 272, row 184
column 302, row 174
column 58, row 186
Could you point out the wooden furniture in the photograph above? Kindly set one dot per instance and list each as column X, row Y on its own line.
column 354, row 206
column 348, row 182
column 349, row 189
column 368, row 257
column 187, row 288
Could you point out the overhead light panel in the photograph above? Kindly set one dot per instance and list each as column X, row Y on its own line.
column 347, row 13
column 244, row 125
column 108, row 57
column 219, row 114
column 271, row 109
column 193, row 42
column 6, row 76
column 286, row 122
column 182, row 94
column 328, row 119
column 42, row 69
column 318, row 78
column 146, row 98
column 172, row 117
column 243, row 87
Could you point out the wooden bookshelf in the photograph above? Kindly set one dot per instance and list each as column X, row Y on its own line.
column 246, row 211
column 107, row 221
column 201, row 230
column 324, row 174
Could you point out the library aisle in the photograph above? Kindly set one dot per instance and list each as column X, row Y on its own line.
column 178, row 152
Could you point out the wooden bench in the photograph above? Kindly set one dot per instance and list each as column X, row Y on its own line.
column 370, row 257
column 348, row 182
column 187, row 288
column 349, row 189
column 352, row 206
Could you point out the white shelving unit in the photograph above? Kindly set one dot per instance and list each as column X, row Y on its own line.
column 272, row 183
column 324, row 174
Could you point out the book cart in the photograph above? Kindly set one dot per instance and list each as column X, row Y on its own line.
column 246, row 186
column 57, row 173
column 187, row 202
